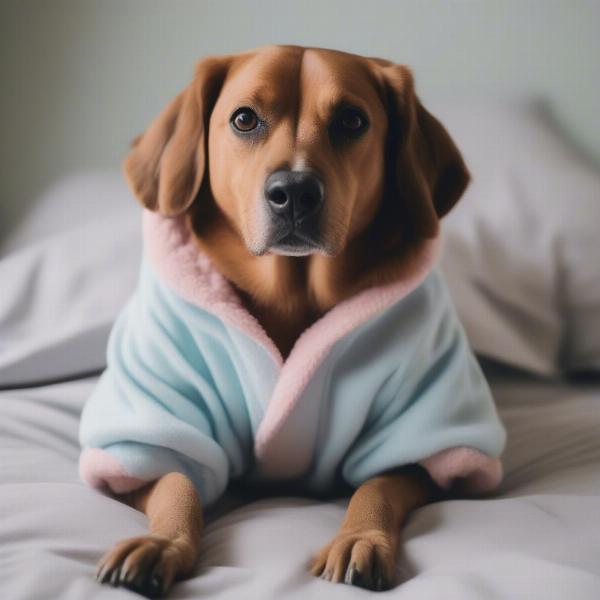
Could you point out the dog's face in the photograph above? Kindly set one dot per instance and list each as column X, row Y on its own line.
column 296, row 147
column 305, row 147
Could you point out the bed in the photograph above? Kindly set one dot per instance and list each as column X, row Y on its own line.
column 524, row 280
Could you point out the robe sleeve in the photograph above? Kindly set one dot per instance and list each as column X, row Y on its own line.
column 436, row 409
column 156, row 407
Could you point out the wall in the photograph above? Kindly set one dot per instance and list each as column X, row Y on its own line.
column 81, row 77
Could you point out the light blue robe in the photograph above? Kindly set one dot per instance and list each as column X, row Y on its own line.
column 188, row 389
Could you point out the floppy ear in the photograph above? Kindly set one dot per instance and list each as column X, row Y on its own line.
column 428, row 172
column 166, row 164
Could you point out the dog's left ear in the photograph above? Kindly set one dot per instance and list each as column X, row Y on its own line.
column 166, row 164
column 428, row 172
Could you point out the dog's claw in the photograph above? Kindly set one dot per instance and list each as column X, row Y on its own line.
column 128, row 575
column 101, row 573
column 147, row 565
column 156, row 583
column 115, row 577
column 355, row 577
column 381, row 581
column 363, row 559
column 351, row 574
column 362, row 581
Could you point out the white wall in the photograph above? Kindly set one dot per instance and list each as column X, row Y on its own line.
column 79, row 78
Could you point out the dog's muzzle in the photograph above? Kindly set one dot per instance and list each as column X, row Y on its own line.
column 294, row 201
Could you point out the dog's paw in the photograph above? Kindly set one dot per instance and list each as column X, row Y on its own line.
column 365, row 559
column 147, row 564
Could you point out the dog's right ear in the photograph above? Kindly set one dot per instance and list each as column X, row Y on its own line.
column 166, row 164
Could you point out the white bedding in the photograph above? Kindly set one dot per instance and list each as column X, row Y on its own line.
column 539, row 538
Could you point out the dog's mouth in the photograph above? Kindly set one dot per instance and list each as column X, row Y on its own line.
column 294, row 243
column 299, row 238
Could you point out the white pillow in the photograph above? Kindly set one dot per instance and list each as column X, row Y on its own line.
column 76, row 199
column 522, row 251
column 68, row 273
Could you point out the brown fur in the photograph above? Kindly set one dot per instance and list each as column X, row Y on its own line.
column 385, row 194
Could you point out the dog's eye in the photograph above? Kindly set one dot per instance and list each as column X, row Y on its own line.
column 348, row 123
column 244, row 120
column 352, row 120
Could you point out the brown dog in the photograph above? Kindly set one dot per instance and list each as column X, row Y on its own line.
column 307, row 175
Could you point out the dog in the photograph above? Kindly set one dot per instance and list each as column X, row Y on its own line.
column 307, row 179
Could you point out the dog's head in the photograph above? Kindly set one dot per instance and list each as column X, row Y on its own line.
column 301, row 150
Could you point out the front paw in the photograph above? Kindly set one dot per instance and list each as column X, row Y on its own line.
column 147, row 564
column 365, row 559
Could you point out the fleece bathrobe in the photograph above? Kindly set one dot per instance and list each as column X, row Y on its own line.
column 195, row 385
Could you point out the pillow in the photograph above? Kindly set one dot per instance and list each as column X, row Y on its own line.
column 522, row 250
column 69, row 272
column 73, row 200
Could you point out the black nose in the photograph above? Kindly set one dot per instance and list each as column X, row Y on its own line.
column 294, row 195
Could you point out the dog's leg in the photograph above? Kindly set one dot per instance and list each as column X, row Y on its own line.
column 363, row 553
column 150, row 563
